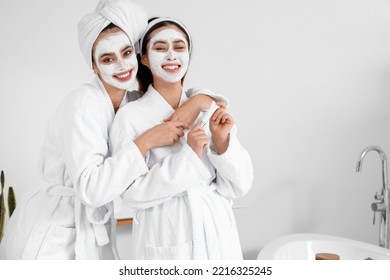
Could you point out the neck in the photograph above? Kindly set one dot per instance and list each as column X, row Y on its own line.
column 171, row 92
column 116, row 95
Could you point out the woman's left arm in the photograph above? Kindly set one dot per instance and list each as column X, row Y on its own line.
column 192, row 92
column 234, row 167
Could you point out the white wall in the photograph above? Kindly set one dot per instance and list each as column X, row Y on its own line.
column 308, row 82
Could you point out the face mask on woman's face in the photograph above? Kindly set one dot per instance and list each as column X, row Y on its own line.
column 168, row 55
column 116, row 60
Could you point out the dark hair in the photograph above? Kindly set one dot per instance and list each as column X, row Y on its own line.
column 144, row 75
column 108, row 27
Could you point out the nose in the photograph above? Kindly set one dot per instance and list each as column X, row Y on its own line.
column 121, row 64
column 171, row 55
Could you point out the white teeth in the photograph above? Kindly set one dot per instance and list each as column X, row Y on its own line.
column 171, row 67
column 124, row 75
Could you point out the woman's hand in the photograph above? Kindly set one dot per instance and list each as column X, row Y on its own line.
column 221, row 124
column 190, row 110
column 165, row 134
column 197, row 140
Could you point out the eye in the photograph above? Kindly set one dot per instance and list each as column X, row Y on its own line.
column 181, row 47
column 160, row 47
column 127, row 53
column 107, row 60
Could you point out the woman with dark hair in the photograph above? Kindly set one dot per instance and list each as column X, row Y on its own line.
column 183, row 203
column 72, row 217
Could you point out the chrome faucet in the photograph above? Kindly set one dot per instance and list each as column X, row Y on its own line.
column 381, row 205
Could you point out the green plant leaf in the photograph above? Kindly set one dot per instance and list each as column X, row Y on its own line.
column 2, row 215
column 2, row 181
column 11, row 201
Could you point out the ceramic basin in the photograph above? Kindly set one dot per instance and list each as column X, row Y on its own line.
column 305, row 246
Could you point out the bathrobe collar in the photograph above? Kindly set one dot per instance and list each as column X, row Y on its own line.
column 110, row 108
column 163, row 105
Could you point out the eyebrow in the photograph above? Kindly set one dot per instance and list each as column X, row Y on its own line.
column 165, row 42
column 106, row 54
column 160, row 42
column 126, row 48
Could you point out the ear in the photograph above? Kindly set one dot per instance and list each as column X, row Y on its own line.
column 95, row 68
column 145, row 60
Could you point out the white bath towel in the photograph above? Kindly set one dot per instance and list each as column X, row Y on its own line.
column 125, row 14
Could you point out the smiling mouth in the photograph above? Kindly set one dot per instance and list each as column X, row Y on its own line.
column 124, row 76
column 171, row 67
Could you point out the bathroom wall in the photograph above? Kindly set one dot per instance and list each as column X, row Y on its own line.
column 308, row 82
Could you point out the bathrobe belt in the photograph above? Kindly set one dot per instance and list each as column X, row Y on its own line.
column 204, row 238
column 90, row 224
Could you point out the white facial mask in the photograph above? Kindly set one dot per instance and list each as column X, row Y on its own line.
column 122, row 73
column 169, row 59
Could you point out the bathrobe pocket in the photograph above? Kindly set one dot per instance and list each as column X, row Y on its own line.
column 182, row 251
column 59, row 243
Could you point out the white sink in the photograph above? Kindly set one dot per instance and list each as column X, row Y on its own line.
column 305, row 246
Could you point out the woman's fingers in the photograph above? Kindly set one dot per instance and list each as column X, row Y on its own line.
column 196, row 128
column 179, row 132
column 179, row 124
column 197, row 132
column 221, row 104
column 214, row 116
column 225, row 118
column 217, row 113
column 169, row 118
column 220, row 113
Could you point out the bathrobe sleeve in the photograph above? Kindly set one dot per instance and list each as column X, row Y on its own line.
column 97, row 178
column 175, row 174
column 217, row 97
column 234, row 170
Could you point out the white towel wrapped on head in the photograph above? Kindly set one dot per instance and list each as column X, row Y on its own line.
column 127, row 15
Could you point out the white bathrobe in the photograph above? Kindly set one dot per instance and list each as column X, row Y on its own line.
column 71, row 217
column 184, row 204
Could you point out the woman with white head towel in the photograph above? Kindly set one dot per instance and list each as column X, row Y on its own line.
column 72, row 217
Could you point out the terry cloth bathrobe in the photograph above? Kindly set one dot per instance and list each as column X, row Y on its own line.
column 183, row 204
column 71, row 217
